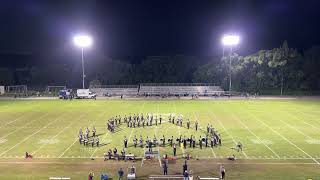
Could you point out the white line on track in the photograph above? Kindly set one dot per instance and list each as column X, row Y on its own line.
column 227, row 131
column 57, row 118
column 290, row 142
column 234, row 117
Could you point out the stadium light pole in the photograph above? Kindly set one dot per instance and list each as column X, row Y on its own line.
column 230, row 41
column 82, row 41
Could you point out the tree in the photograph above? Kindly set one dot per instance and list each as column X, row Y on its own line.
column 310, row 67
column 280, row 57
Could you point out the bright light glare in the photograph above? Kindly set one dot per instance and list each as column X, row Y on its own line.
column 82, row 41
column 229, row 40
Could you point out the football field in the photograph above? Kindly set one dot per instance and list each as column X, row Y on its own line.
column 279, row 134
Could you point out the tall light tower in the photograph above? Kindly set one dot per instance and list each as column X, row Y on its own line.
column 230, row 41
column 82, row 41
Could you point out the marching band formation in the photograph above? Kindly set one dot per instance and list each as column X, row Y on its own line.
column 85, row 139
column 211, row 137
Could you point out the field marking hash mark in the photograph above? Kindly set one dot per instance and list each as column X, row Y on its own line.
column 290, row 142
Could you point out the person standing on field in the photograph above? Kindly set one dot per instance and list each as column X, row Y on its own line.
column 222, row 172
column 184, row 167
column 125, row 142
column 91, row 175
column 165, row 169
column 120, row 173
column 196, row 125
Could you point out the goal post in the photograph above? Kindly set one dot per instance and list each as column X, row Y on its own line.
column 16, row 89
column 54, row 90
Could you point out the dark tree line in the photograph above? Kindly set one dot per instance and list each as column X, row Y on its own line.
column 279, row 70
column 266, row 71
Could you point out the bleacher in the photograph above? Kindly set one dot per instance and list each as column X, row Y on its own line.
column 180, row 89
column 113, row 90
column 158, row 89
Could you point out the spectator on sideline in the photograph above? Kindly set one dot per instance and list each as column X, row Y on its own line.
column 104, row 176
column 91, row 175
column 186, row 175
column 185, row 167
column 222, row 172
column 120, row 173
column 132, row 169
column 165, row 169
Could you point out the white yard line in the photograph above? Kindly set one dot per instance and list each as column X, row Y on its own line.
column 24, row 125
column 292, row 127
column 227, row 132
column 213, row 153
column 16, row 119
column 76, row 139
column 298, row 118
column 141, row 109
column 53, row 137
column 239, row 120
column 60, row 156
column 57, row 118
column 312, row 126
column 284, row 138
column 179, row 145
column 104, row 138
column 107, row 133
column 156, row 129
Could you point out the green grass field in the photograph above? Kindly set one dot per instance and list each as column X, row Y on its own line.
column 281, row 138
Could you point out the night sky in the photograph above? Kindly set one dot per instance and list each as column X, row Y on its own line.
column 133, row 27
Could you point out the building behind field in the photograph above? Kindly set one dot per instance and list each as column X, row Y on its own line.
column 1, row 90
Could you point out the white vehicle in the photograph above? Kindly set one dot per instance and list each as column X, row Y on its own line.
column 85, row 94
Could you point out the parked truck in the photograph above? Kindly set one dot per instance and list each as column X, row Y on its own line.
column 85, row 94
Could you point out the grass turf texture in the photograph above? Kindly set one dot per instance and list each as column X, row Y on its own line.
column 281, row 138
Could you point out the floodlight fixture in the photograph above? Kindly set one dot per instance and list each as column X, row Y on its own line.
column 230, row 40
column 82, row 41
